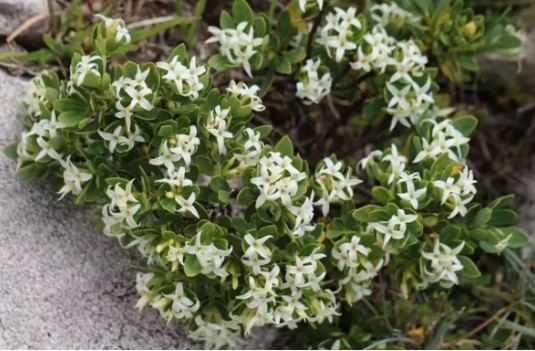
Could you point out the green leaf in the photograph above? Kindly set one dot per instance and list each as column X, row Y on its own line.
column 30, row 172
column 240, row 225
column 503, row 217
column 469, row 63
column 246, row 196
column 158, row 28
column 268, row 230
column 192, row 266
column 225, row 21
column 502, row 202
column 283, row 65
column 218, row 183
column 488, row 247
column 362, row 214
column 333, row 234
column 72, row 119
column 264, row 131
column 285, row 147
column 482, row 217
column 11, row 151
column 223, row 196
column 242, row 12
column 466, row 124
column 519, row 238
column 219, row 63
column 206, row 166
column 71, row 105
column 372, row 109
column 296, row 55
column 470, row 270
column 381, row 194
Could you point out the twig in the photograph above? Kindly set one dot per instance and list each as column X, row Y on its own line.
column 150, row 22
column 478, row 328
column 30, row 22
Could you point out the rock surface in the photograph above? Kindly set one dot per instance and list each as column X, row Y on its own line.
column 62, row 283
column 13, row 13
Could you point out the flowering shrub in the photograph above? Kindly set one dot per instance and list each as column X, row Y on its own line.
column 238, row 233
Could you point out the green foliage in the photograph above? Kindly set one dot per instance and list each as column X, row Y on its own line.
column 238, row 233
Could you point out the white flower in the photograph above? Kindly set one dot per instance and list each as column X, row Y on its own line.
column 412, row 195
column 182, row 306
column 124, row 112
column 252, row 147
column 397, row 163
column 83, row 67
column 408, row 103
column 304, row 214
column 121, row 197
column 35, row 96
column 217, row 126
column 409, row 61
column 445, row 139
column 347, row 253
column 236, row 45
column 209, row 256
column 377, row 52
column 142, row 287
column 444, row 263
column 459, row 192
column 166, row 158
column 217, row 335
column 256, row 263
column 338, row 32
column 115, row 138
column 385, row 13
column 363, row 163
column 303, row 273
column 73, row 178
column 185, row 145
column 186, row 80
column 395, row 228
column 256, row 246
column 248, row 95
column 335, row 186
column 187, row 205
column 311, row 88
column 123, row 205
column 115, row 27
column 138, row 96
column 277, row 180
column 46, row 150
column 177, row 179
column 303, row 4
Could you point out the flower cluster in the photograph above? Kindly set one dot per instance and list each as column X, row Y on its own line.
column 185, row 79
column 86, row 71
column 457, row 193
column 311, row 88
column 339, row 32
column 277, row 180
column 237, row 45
column 333, row 186
column 444, row 263
column 386, row 13
column 116, row 29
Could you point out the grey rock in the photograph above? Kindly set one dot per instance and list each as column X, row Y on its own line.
column 63, row 284
column 13, row 13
